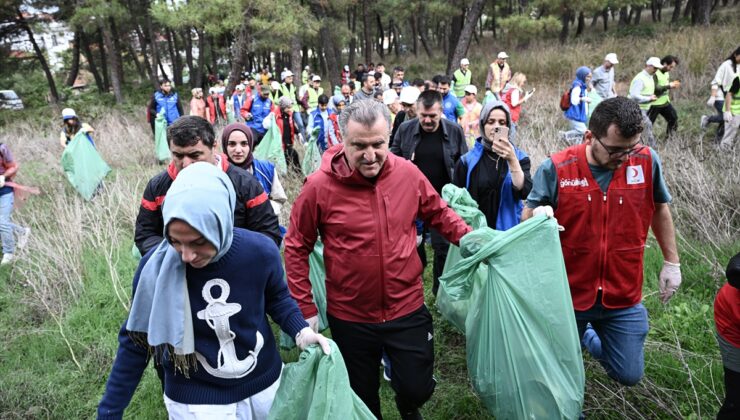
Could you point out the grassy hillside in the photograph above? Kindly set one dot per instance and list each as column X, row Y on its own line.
column 62, row 304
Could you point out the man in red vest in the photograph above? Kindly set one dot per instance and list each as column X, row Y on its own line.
column 607, row 192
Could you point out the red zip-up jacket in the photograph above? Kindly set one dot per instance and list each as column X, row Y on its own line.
column 605, row 232
column 373, row 273
column 727, row 314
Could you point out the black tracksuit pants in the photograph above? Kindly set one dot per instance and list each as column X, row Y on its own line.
column 408, row 342
column 669, row 113
column 731, row 407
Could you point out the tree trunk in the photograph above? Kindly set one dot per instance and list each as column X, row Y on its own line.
column 114, row 57
column 174, row 58
column 381, row 36
column 154, row 48
column 327, row 37
column 687, row 9
column 638, row 14
column 213, row 55
column 74, row 68
column 605, row 18
column 624, row 16
column 117, row 48
column 456, row 25
column 201, row 58
column 415, row 41
column 295, row 59
column 103, row 61
column 705, row 10
column 565, row 20
column 367, row 49
column 91, row 62
column 676, row 11
column 468, row 28
column 352, row 26
column 239, row 51
column 189, row 56
column 595, row 19
column 53, row 94
column 396, row 39
column 139, row 69
column 422, row 35
column 581, row 24
column 654, row 10
column 143, row 41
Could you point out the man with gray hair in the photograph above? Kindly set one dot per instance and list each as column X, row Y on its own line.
column 364, row 201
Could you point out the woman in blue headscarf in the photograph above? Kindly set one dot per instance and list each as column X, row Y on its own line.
column 577, row 113
column 200, row 306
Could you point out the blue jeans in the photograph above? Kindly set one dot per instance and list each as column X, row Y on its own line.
column 619, row 340
column 298, row 119
column 7, row 228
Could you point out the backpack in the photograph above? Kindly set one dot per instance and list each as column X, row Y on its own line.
column 565, row 100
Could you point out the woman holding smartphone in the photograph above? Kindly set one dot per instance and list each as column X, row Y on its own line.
column 495, row 172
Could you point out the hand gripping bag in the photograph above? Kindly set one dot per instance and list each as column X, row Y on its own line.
column 271, row 147
column 317, row 276
column 459, row 200
column 316, row 387
column 161, row 148
column 84, row 167
column 523, row 352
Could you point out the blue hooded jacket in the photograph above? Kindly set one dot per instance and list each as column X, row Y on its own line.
column 578, row 112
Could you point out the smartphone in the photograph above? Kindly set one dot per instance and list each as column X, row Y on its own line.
column 531, row 91
column 501, row 134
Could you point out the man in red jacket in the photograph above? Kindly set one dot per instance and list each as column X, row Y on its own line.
column 607, row 192
column 364, row 201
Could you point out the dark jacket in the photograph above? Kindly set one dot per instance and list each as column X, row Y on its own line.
column 408, row 136
column 253, row 210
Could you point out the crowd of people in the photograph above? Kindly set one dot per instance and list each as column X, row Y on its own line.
column 210, row 221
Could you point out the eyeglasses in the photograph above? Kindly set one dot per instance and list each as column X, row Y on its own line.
column 619, row 152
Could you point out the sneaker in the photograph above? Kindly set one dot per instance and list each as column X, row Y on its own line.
column 7, row 259
column 386, row 368
column 23, row 238
column 591, row 341
column 703, row 122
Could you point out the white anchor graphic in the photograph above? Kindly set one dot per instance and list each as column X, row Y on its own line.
column 217, row 314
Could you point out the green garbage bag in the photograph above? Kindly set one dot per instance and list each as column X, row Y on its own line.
column 316, row 387
column 595, row 100
column 523, row 350
column 271, row 147
column 84, row 167
column 489, row 97
column 312, row 158
column 161, row 148
column 135, row 253
column 230, row 119
column 459, row 199
column 317, row 275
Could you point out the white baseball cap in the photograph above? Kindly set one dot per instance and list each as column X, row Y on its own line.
column 612, row 58
column 240, row 87
column 389, row 96
column 287, row 73
column 68, row 113
column 409, row 94
column 655, row 62
column 316, row 78
column 464, row 62
column 275, row 86
column 503, row 55
column 471, row 89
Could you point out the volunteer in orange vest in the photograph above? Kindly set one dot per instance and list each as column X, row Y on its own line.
column 727, row 319
column 607, row 192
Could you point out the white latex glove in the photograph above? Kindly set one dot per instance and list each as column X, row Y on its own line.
column 313, row 323
column 546, row 211
column 2, row 181
column 727, row 116
column 419, row 238
column 306, row 337
column 669, row 280
column 528, row 95
column 710, row 101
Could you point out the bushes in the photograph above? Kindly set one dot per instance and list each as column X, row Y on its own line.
column 520, row 30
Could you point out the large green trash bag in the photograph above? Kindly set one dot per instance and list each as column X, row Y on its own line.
column 523, row 352
column 84, row 167
column 161, row 148
column 459, row 199
column 488, row 98
column 271, row 147
column 317, row 275
column 316, row 387
column 312, row 157
column 230, row 118
column 595, row 100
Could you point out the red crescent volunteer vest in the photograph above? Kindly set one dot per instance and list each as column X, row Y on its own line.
column 605, row 233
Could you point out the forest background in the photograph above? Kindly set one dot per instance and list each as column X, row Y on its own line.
column 62, row 303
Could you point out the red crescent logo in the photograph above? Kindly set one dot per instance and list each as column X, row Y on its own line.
column 634, row 173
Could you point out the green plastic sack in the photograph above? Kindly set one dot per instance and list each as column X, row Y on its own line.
column 84, row 167
column 523, row 351
column 271, row 147
column 312, row 158
column 489, row 97
column 230, row 119
column 595, row 100
column 317, row 275
column 161, row 148
column 459, row 199
column 316, row 387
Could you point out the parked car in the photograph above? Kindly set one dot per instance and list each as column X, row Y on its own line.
column 10, row 100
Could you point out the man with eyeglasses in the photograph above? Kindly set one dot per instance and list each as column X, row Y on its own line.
column 607, row 192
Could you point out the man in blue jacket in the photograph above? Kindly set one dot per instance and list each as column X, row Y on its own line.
column 451, row 106
column 167, row 99
column 255, row 110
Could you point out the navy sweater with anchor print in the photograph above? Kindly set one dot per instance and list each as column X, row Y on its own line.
column 236, row 350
